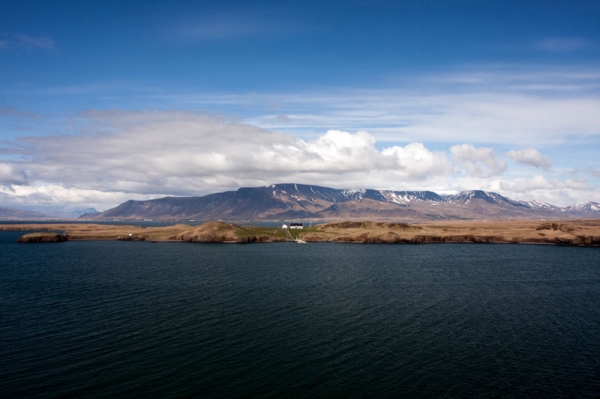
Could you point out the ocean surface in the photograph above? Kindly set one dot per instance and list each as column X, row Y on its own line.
column 124, row 319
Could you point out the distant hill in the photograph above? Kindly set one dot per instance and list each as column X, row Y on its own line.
column 72, row 214
column 298, row 201
column 18, row 214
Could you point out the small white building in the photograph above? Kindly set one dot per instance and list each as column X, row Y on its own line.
column 296, row 226
column 284, row 226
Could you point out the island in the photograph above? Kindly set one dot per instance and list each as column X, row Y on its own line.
column 583, row 232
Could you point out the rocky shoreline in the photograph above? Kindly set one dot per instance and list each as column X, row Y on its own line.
column 42, row 237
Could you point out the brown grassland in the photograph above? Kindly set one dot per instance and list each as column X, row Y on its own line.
column 568, row 232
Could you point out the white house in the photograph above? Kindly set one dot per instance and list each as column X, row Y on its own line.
column 296, row 226
column 284, row 226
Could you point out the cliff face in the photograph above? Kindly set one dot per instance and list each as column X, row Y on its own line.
column 297, row 201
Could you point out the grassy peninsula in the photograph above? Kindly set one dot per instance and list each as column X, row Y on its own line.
column 567, row 232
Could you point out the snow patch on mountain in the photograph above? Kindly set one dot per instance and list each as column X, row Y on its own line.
column 354, row 194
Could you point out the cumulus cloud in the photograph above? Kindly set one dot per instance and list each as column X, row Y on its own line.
column 477, row 162
column 418, row 161
column 530, row 156
column 183, row 153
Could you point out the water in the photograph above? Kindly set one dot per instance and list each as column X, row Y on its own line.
column 113, row 319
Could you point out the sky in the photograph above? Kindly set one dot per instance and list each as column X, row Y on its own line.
column 106, row 101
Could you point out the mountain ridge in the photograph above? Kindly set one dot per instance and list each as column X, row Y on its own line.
column 299, row 201
column 51, row 214
column 19, row 214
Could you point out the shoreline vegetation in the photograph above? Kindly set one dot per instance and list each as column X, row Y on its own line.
column 583, row 232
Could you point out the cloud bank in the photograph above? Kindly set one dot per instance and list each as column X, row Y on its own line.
column 112, row 156
column 183, row 153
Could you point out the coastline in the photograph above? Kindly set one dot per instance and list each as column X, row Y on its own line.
column 583, row 232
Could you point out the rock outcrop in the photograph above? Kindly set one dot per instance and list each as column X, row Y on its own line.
column 42, row 237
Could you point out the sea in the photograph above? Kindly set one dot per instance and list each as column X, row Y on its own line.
column 108, row 319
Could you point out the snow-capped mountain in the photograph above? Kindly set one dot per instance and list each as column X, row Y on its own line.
column 589, row 208
column 300, row 201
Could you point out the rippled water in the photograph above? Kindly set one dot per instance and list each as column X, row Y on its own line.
column 100, row 319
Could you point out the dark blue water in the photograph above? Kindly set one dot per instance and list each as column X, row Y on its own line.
column 113, row 319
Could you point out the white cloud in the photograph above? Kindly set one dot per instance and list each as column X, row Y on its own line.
column 288, row 137
column 9, row 174
column 553, row 191
column 342, row 151
column 509, row 119
column 183, row 153
column 418, row 161
column 480, row 105
column 43, row 195
column 113, row 156
column 530, row 156
column 477, row 162
column 539, row 182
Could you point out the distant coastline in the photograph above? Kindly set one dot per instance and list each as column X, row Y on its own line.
column 583, row 232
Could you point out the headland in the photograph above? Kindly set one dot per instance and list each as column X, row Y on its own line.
column 583, row 232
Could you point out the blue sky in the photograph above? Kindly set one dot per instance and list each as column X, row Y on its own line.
column 102, row 101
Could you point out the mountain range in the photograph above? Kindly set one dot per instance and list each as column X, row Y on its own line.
column 299, row 201
column 19, row 214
